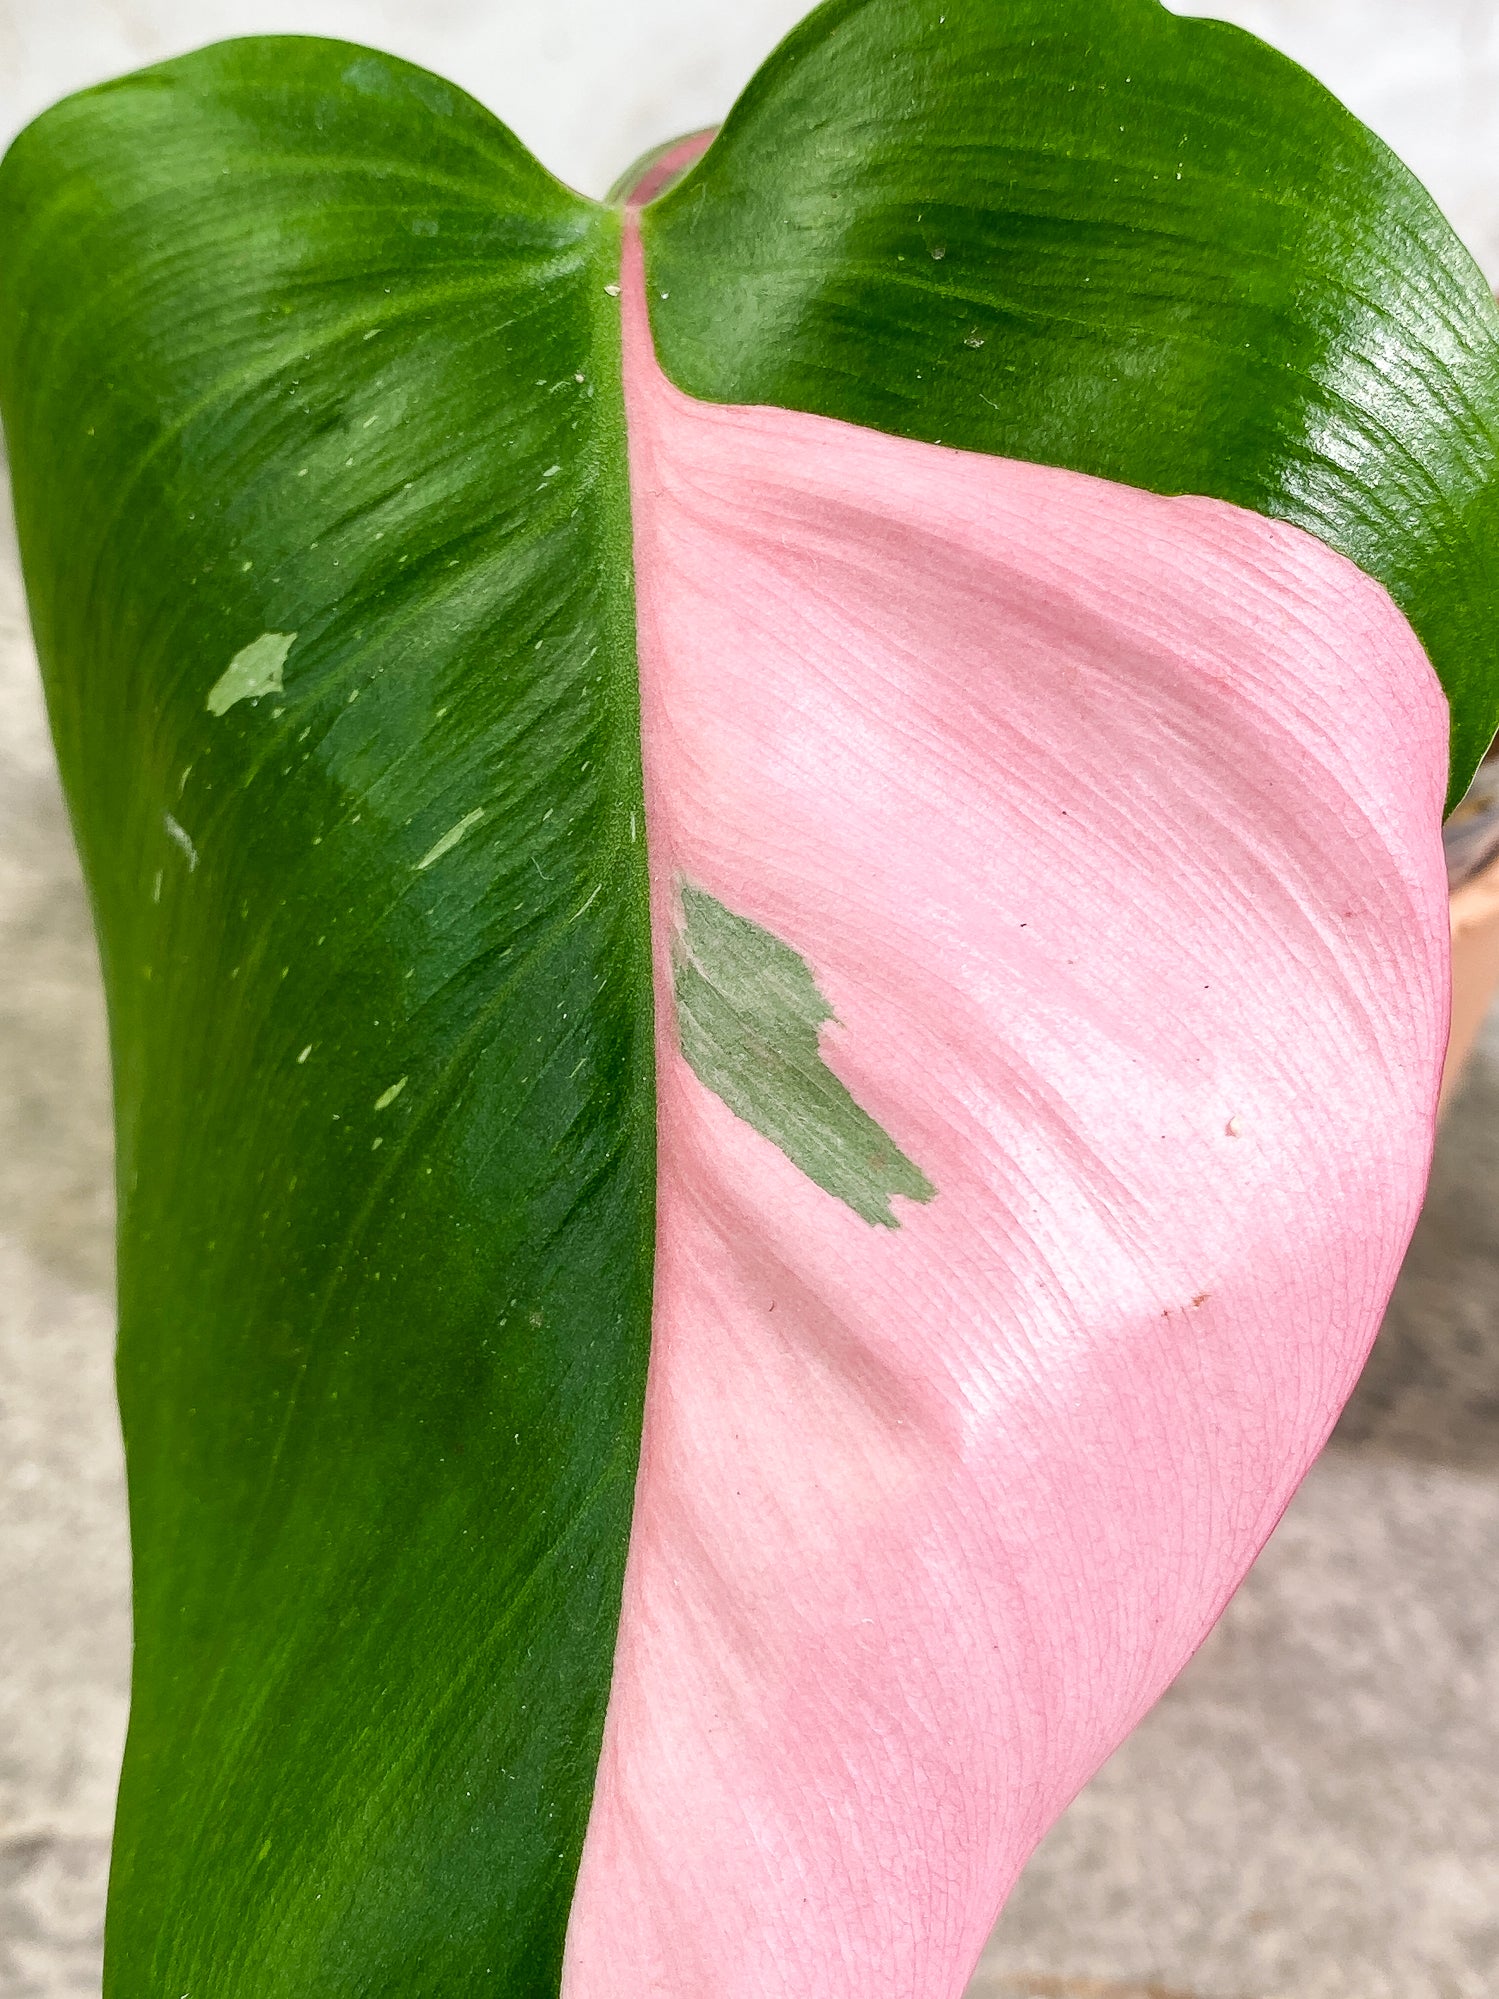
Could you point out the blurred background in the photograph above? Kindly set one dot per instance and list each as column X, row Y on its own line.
column 1312, row 1812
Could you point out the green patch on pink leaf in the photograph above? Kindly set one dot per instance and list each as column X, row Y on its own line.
column 750, row 1014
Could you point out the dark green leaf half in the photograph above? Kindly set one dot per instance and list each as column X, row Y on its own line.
column 310, row 382
column 1092, row 234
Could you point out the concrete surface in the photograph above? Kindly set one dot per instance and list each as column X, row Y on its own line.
column 1311, row 1813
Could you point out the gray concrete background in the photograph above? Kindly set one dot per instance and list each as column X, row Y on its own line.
column 1311, row 1813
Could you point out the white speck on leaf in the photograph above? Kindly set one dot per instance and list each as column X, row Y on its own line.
column 179, row 834
column 451, row 838
column 551, row 472
column 612, row 290
column 387, row 1097
column 1234, row 1127
column 254, row 670
column 304, row 1054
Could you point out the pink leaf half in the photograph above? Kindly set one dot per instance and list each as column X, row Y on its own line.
column 1108, row 827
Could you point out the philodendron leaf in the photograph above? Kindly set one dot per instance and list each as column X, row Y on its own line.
column 1002, row 526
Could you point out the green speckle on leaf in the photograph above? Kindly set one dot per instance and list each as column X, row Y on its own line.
column 387, row 1097
column 254, row 670
column 749, row 1014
